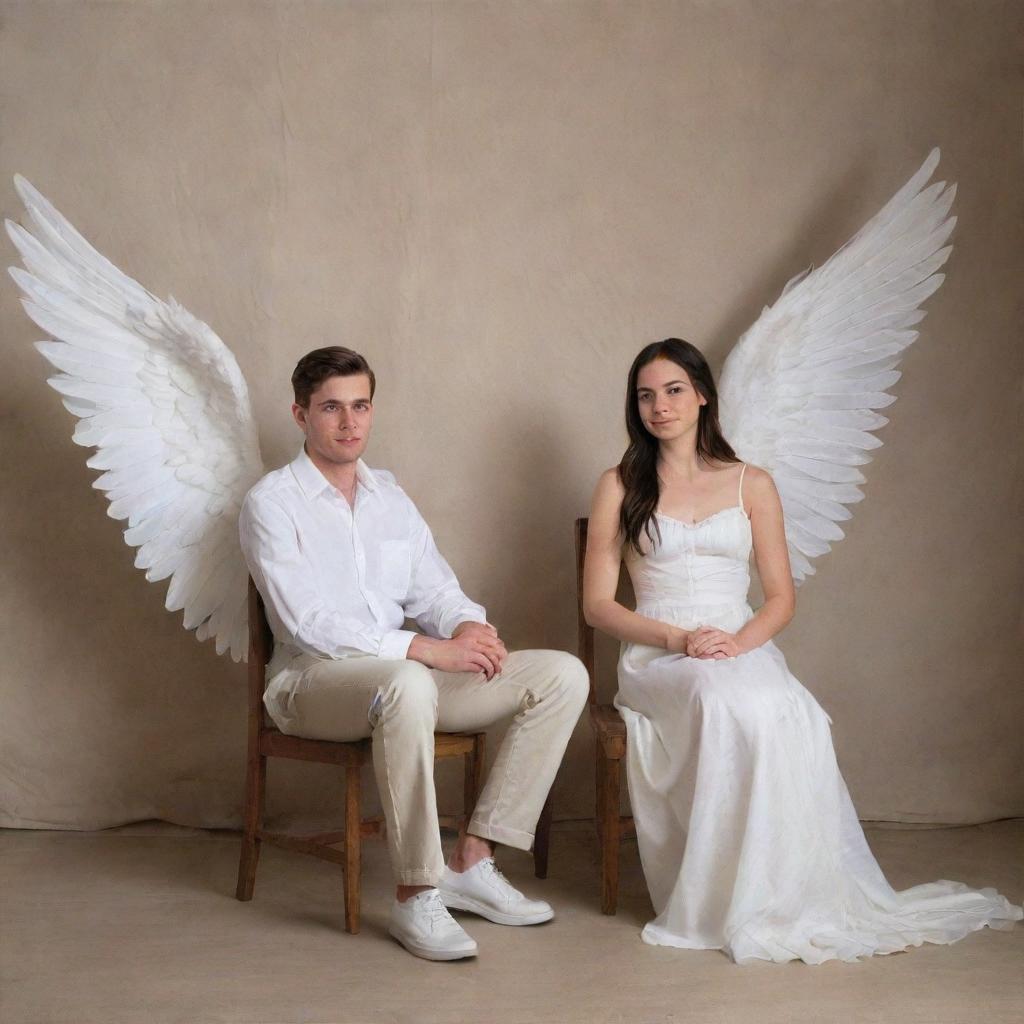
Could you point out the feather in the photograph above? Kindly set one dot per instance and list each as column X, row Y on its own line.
column 163, row 402
column 798, row 391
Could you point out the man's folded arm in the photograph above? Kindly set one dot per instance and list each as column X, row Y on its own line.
column 285, row 579
column 435, row 600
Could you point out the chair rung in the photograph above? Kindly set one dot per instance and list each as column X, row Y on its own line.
column 367, row 827
column 321, row 843
column 307, row 846
column 325, row 838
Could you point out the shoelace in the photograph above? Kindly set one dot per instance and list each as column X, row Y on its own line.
column 491, row 869
column 437, row 912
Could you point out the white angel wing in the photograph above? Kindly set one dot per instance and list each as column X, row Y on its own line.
column 163, row 401
column 799, row 391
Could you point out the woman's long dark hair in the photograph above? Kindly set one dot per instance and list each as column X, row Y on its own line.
column 638, row 469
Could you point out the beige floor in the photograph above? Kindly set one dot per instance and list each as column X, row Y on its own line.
column 139, row 925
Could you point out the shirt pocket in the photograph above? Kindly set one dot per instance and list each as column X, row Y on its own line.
column 395, row 568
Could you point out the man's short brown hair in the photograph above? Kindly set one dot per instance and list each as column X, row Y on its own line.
column 322, row 363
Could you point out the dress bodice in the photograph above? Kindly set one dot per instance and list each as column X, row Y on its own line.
column 701, row 565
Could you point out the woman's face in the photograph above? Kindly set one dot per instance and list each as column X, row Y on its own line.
column 668, row 402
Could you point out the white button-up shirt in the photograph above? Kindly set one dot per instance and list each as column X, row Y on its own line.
column 340, row 580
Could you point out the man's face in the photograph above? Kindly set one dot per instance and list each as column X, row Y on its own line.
column 338, row 420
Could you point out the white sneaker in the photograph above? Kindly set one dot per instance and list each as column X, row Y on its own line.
column 423, row 925
column 484, row 890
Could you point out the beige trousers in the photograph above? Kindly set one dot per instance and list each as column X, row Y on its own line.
column 401, row 703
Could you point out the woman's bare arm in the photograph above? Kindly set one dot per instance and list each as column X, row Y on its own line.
column 772, row 558
column 601, row 576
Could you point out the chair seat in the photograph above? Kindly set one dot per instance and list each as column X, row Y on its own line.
column 454, row 744
column 274, row 743
column 609, row 729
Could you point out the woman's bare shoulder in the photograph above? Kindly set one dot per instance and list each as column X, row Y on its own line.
column 610, row 483
column 607, row 499
column 758, row 486
column 756, row 475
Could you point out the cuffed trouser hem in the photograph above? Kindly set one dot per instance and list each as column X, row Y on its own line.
column 513, row 837
column 418, row 876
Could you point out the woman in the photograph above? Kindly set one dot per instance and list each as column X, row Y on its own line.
column 747, row 835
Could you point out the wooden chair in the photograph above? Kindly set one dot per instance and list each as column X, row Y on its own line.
column 610, row 748
column 267, row 741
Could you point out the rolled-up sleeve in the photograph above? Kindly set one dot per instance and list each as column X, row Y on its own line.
column 284, row 577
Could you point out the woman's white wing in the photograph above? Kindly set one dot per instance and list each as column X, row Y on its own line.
column 163, row 401
column 799, row 391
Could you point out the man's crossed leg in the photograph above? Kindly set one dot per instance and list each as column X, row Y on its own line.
column 400, row 703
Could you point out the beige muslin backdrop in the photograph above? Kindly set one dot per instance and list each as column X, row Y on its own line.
column 499, row 203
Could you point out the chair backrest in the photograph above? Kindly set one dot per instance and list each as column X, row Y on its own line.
column 584, row 631
column 261, row 649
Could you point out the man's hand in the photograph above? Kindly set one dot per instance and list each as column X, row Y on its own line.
column 474, row 647
column 469, row 627
column 483, row 638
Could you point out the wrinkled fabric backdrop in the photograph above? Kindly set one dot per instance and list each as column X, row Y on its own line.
column 499, row 204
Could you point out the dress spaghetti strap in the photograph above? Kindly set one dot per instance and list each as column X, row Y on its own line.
column 742, row 471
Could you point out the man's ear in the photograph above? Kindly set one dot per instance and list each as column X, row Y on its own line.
column 299, row 414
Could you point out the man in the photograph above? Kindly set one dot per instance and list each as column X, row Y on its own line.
column 342, row 557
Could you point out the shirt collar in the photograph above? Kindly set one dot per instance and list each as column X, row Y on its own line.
column 313, row 482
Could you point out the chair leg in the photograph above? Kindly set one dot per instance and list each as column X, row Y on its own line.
column 353, row 841
column 474, row 772
column 610, row 823
column 599, row 772
column 255, row 788
column 542, row 839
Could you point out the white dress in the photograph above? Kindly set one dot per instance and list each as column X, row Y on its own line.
column 748, row 838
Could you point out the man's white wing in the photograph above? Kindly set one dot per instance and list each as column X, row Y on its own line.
column 799, row 391
column 163, row 401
